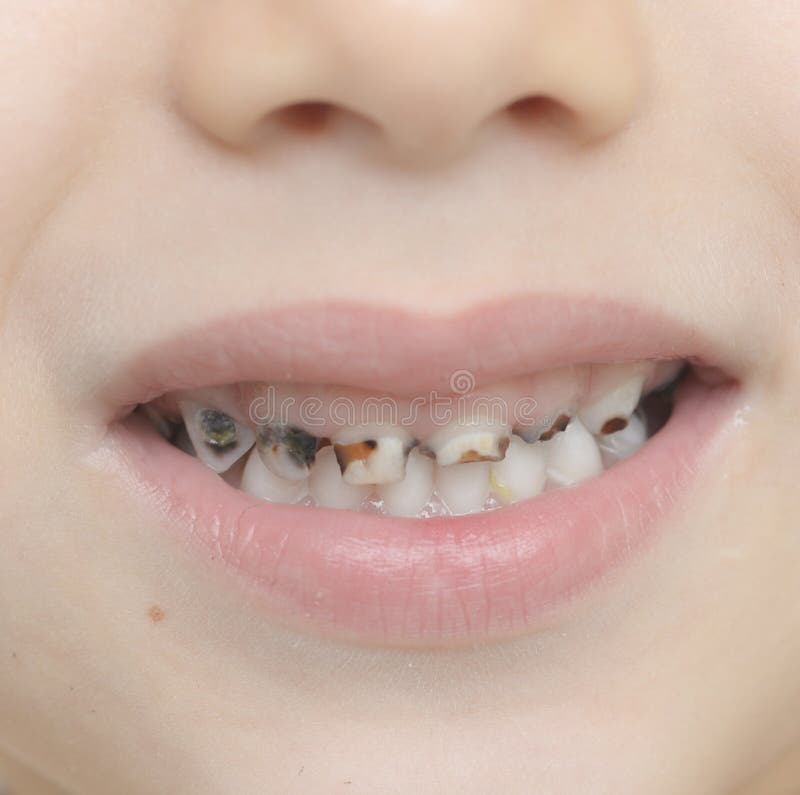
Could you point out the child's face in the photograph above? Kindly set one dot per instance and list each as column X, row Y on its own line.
column 166, row 222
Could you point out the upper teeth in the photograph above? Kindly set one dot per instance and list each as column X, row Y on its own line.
column 372, row 455
column 219, row 440
column 459, row 444
column 460, row 466
column 287, row 451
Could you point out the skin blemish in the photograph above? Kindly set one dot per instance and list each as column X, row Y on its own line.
column 156, row 614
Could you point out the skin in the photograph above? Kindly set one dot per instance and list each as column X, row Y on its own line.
column 147, row 184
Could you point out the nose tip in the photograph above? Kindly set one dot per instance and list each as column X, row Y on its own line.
column 424, row 74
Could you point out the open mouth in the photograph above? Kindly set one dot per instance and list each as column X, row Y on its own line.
column 460, row 513
column 454, row 454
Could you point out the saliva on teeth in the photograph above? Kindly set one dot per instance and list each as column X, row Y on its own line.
column 458, row 469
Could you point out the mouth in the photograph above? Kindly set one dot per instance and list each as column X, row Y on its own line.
column 399, row 479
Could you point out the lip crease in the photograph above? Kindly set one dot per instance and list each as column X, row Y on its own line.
column 440, row 581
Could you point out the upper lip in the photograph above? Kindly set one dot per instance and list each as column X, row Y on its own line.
column 388, row 350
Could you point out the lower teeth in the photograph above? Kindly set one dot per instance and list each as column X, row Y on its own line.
column 483, row 468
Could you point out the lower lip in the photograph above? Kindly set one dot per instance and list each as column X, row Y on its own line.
column 434, row 582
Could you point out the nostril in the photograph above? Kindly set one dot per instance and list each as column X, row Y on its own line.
column 539, row 108
column 306, row 117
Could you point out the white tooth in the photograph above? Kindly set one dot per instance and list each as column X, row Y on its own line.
column 461, row 444
column 411, row 495
column 572, row 455
column 372, row 455
column 209, row 442
column 521, row 474
column 615, row 393
column 259, row 481
column 287, row 450
column 623, row 444
column 463, row 487
column 663, row 373
column 328, row 487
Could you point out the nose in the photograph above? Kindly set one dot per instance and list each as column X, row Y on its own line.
column 425, row 73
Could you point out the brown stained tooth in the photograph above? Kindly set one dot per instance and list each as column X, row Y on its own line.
column 613, row 425
column 467, row 444
column 372, row 461
column 557, row 427
column 346, row 454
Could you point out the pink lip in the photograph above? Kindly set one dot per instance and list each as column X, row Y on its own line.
column 391, row 581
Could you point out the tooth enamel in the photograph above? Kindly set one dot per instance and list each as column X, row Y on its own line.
column 259, row 481
column 464, row 488
column 663, row 373
column 614, row 397
column 218, row 439
column 164, row 427
column 572, row 456
column 521, row 474
column 463, row 444
column 409, row 496
column 623, row 444
column 289, row 452
column 328, row 487
column 370, row 456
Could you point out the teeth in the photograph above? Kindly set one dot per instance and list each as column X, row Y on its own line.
column 464, row 488
column 165, row 428
column 218, row 439
column 663, row 373
column 572, row 456
column 616, row 391
column 521, row 474
column 328, row 487
column 367, row 457
column 463, row 444
column 623, row 444
column 182, row 441
column 409, row 496
column 289, row 452
column 559, row 424
column 259, row 481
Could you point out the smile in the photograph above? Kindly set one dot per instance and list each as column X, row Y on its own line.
column 407, row 480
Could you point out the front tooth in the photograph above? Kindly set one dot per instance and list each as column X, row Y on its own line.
column 572, row 456
column 463, row 487
column 463, row 444
column 615, row 393
column 409, row 496
column 219, row 440
column 328, row 487
column 521, row 474
column 259, row 481
column 370, row 456
column 623, row 444
column 288, row 451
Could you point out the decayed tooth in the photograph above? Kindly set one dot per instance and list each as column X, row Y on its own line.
column 464, row 444
column 409, row 496
column 219, row 440
column 371, row 455
column 664, row 372
column 559, row 424
column 521, row 474
column 288, row 451
column 328, row 487
column 259, row 481
column 164, row 427
column 464, row 488
column 615, row 392
column 572, row 456
column 623, row 444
